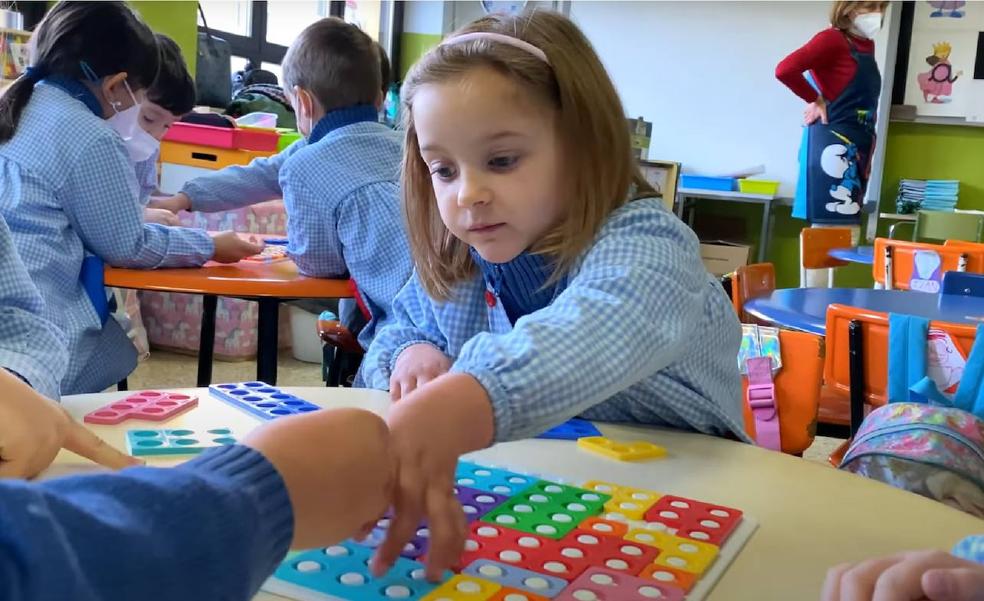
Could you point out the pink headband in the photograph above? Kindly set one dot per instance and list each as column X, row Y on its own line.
column 497, row 37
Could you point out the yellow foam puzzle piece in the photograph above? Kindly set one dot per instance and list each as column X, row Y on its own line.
column 464, row 588
column 676, row 552
column 623, row 451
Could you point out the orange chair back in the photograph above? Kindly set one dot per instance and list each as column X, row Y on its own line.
column 817, row 242
column 797, row 391
column 751, row 281
column 903, row 254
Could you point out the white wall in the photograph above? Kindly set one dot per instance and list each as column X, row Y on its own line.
column 704, row 74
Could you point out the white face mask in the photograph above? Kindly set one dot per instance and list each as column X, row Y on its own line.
column 868, row 24
column 140, row 145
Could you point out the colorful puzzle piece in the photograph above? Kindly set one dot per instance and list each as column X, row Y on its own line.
column 603, row 526
column 676, row 552
column 342, row 572
column 578, row 551
column 488, row 541
column 630, row 503
column 515, row 577
column 669, row 576
column 145, row 443
column 464, row 588
column 476, row 503
column 695, row 519
column 270, row 254
column 262, row 400
column 147, row 405
column 638, row 450
column 597, row 584
column 511, row 594
column 572, row 429
column 490, row 479
column 548, row 509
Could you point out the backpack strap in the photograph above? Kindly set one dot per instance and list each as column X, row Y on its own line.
column 761, row 398
column 906, row 356
column 970, row 393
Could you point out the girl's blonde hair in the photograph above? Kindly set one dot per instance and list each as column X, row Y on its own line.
column 594, row 133
column 840, row 12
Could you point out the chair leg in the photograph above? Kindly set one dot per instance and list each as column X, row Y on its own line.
column 856, row 346
column 122, row 385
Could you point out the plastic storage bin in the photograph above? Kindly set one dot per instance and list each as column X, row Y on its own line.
column 704, row 182
column 287, row 137
column 223, row 137
column 758, row 186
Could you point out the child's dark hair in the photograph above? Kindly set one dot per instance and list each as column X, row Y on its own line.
column 105, row 37
column 173, row 90
column 385, row 73
column 337, row 62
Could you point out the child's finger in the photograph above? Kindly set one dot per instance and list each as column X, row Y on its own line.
column 82, row 441
column 961, row 584
column 898, row 577
column 396, row 389
column 858, row 583
column 407, row 513
column 446, row 522
column 831, row 586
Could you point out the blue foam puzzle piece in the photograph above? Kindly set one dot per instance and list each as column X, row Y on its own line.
column 490, row 479
column 148, row 442
column 342, row 572
column 572, row 429
column 262, row 400
column 516, row 577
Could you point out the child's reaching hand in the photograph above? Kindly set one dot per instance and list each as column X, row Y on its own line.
column 175, row 204
column 230, row 247
column 33, row 429
column 161, row 216
column 913, row 576
column 431, row 428
column 416, row 366
column 338, row 469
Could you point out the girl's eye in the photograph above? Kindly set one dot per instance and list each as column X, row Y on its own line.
column 442, row 172
column 503, row 162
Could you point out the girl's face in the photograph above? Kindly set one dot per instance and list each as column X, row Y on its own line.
column 155, row 119
column 495, row 161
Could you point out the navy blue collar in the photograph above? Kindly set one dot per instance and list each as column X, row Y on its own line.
column 339, row 118
column 520, row 283
column 77, row 90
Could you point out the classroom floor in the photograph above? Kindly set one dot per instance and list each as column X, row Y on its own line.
column 171, row 370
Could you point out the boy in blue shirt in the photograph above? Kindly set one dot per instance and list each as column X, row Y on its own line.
column 340, row 184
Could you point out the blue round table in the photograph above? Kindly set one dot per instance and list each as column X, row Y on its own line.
column 856, row 254
column 805, row 309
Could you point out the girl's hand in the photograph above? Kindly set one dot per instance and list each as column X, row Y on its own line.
column 416, row 366
column 815, row 110
column 913, row 576
column 33, row 429
column 430, row 429
column 161, row 216
column 230, row 247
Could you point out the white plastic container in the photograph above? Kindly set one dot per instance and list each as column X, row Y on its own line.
column 305, row 342
column 258, row 119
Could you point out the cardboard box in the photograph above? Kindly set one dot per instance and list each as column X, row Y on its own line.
column 722, row 257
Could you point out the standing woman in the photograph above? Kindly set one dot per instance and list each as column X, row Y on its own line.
column 836, row 74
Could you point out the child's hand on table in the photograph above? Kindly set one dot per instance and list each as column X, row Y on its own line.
column 431, row 428
column 913, row 576
column 175, row 204
column 231, row 248
column 34, row 428
column 161, row 216
column 417, row 365
column 338, row 468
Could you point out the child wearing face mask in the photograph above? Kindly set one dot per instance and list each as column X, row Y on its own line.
column 68, row 127
column 170, row 97
column 842, row 98
column 550, row 279
column 339, row 183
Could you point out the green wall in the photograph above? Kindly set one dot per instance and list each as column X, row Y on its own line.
column 178, row 19
column 413, row 46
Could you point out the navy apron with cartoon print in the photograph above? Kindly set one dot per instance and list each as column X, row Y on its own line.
column 835, row 158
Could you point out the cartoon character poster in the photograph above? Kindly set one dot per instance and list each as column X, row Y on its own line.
column 946, row 15
column 936, row 84
column 945, row 362
column 939, row 73
column 926, row 272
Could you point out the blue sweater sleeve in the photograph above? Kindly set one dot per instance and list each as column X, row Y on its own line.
column 239, row 186
column 971, row 548
column 212, row 528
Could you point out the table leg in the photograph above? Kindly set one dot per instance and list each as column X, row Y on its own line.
column 856, row 374
column 764, row 235
column 206, row 341
column 681, row 201
column 267, row 340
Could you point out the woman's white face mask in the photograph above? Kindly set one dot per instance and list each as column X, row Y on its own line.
column 139, row 144
column 868, row 25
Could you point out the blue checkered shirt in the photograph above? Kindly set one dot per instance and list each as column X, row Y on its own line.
column 341, row 195
column 67, row 189
column 30, row 346
column 147, row 177
column 639, row 332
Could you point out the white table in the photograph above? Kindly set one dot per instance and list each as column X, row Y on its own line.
column 810, row 516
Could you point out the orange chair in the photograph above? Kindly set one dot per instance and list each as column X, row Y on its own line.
column 797, row 391
column 857, row 358
column 751, row 281
column 815, row 246
column 895, row 260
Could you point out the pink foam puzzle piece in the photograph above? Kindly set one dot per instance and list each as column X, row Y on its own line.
column 148, row 405
column 600, row 584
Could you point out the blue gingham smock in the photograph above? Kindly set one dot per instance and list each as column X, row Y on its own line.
column 30, row 346
column 67, row 190
column 638, row 332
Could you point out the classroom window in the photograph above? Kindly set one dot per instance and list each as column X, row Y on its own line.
column 285, row 20
column 366, row 15
column 223, row 15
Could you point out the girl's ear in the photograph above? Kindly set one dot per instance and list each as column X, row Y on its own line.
column 114, row 91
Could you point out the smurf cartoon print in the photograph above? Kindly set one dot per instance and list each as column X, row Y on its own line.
column 947, row 8
column 842, row 162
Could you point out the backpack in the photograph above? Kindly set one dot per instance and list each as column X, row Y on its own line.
column 923, row 440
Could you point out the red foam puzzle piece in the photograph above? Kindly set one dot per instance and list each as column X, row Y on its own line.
column 498, row 543
column 695, row 519
column 147, row 405
column 570, row 556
